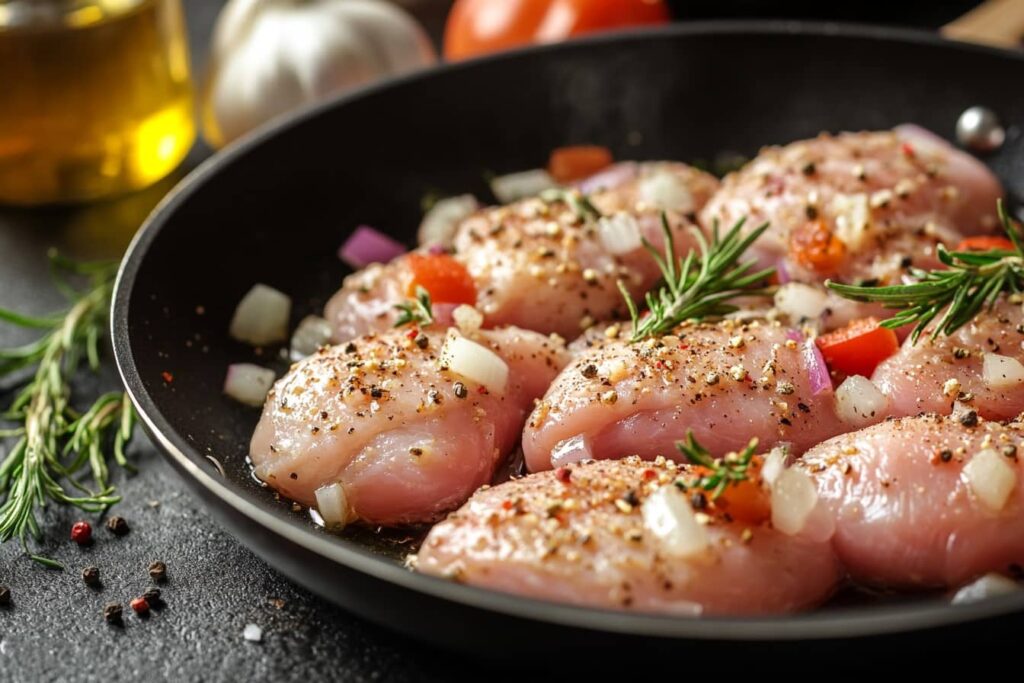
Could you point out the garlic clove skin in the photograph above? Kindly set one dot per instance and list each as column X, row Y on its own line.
column 269, row 57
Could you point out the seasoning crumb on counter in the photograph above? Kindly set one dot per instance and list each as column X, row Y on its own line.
column 140, row 606
column 252, row 633
column 117, row 526
column 158, row 571
column 5, row 596
column 81, row 533
column 91, row 576
column 152, row 597
column 112, row 613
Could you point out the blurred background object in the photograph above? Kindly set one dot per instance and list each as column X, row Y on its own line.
column 271, row 56
column 476, row 27
column 95, row 97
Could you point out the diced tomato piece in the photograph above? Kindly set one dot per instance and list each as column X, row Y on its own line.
column 814, row 245
column 574, row 163
column 858, row 348
column 446, row 279
column 985, row 243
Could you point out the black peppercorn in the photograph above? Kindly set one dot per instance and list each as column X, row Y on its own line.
column 460, row 390
column 5, row 596
column 590, row 371
column 91, row 576
column 112, row 613
column 158, row 571
column 422, row 341
column 969, row 419
column 117, row 526
column 152, row 596
column 946, row 455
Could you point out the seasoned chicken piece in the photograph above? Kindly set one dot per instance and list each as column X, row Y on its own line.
column 407, row 439
column 858, row 206
column 924, row 501
column 727, row 382
column 931, row 375
column 621, row 534
column 549, row 266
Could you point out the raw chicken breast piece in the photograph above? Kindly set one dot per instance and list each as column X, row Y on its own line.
column 858, row 206
column 406, row 439
column 545, row 265
column 931, row 375
column 611, row 534
column 906, row 508
column 728, row 382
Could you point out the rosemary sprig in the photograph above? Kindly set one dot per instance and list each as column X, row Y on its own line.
column 732, row 469
column 701, row 284
column 419, row 311
column 53, row 443
column 971, row 281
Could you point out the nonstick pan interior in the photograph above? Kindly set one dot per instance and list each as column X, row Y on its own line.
column 275, row 208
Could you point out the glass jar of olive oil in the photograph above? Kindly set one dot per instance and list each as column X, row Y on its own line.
column 95, row 97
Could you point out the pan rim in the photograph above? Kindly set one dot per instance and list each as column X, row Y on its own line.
column 837, row 623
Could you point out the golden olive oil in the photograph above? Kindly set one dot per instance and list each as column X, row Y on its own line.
column 95, row 97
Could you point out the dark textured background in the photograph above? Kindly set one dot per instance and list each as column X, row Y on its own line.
column 54, row 629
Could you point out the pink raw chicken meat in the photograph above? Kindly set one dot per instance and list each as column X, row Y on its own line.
column 727, row 382
column 578, row 536
column 406, row 439
column 538, row 264
column 929, row 376
column 889, row 197
column 905, row 514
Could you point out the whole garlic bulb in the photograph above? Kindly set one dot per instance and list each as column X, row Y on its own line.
column 270, row 56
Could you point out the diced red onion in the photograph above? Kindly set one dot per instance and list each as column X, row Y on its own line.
column 571, row 450
column 248, row 383
column 367, row 245
column 782, row 271
column 444, row 314
column 609, row 178
column 988, row 586
column 817, row 370
column 332, row 503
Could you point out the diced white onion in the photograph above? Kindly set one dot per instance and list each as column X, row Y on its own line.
column 774, row 463
column 248, row 383
column 988, row 586
column 332, row 503
column 467, row 318
column 312, row 333
column 859, row 402
column 991, row 477
column 668, row 516
column 261, row 316
column 619, row 233
column 666, row 191
column 475, row 362
column 793, row 500
column 571, row 450
column 508, row 188
column 439, row 223
column 800, row 301
column 852, row 215
column 1001, row 372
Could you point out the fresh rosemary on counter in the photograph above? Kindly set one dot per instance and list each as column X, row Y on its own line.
column 419, row 311
column 57, row 449
column 732, row 469
column 701, row 284
column 972, row 280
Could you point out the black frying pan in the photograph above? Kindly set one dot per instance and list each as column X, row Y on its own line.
column 275, row 208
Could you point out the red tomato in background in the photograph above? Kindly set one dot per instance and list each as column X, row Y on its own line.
column 475, row 27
